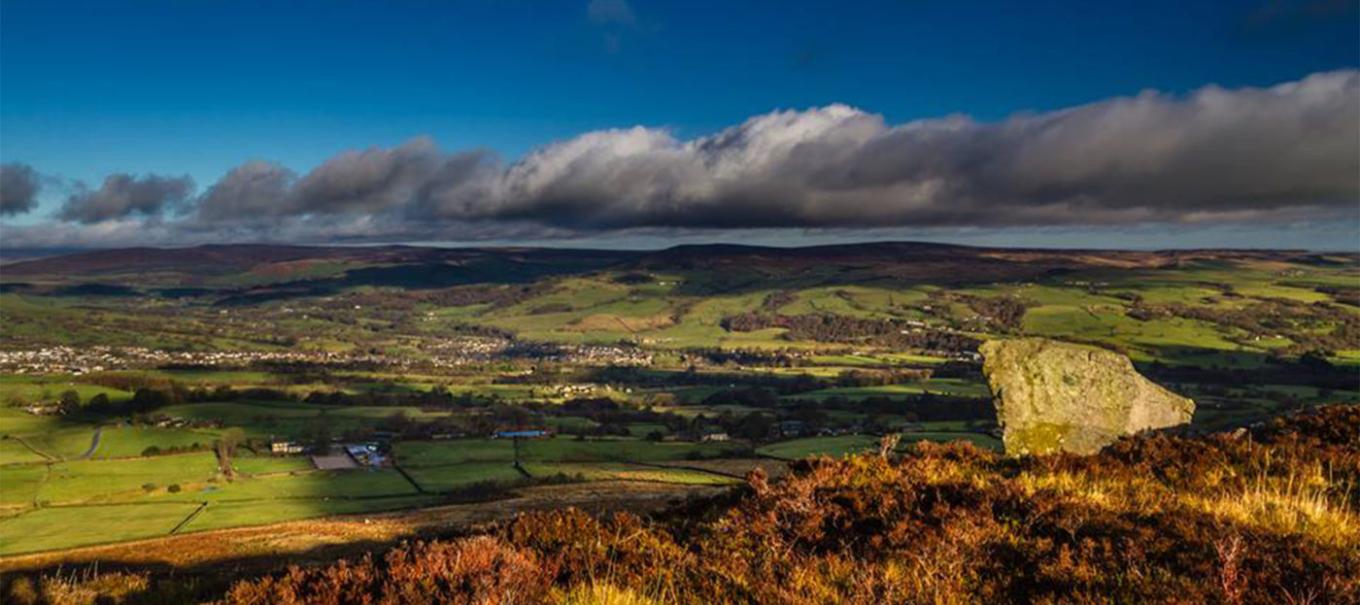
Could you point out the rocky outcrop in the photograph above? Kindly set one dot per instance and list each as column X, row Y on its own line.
column 1053, row 396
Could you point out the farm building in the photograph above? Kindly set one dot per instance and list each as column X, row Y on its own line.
column 286, row 447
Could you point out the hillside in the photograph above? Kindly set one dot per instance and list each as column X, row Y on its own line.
column 210, row 263
column 1265, row 516
column 180, row 394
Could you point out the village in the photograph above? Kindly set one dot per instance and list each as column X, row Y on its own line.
column 452, row 353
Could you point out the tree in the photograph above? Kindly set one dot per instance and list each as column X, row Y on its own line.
column 146, row 399
column 226, row 448
column 1316, row 359
column 70, row 401
column 321, row 438
column 98, row 403
column 754, row 426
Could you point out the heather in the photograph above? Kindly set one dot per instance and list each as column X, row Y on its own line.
column 1260, row 516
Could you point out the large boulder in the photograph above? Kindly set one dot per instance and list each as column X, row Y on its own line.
column 1053, row 396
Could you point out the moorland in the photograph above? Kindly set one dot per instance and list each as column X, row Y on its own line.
column 175, row 396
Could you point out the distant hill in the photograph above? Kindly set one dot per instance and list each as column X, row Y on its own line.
column 216, row 264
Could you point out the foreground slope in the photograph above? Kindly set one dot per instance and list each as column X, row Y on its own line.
column 1266, row 516
column 1230, row 518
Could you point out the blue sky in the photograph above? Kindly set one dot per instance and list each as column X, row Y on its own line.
column 89, row 89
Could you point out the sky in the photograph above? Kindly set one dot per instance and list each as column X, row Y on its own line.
column 626, row 123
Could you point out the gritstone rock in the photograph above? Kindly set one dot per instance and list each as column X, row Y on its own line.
column 1053, row 396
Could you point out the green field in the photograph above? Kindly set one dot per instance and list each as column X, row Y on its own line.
column 939, row 386
column 819, row 446
column 471, row 345
column 67, row 527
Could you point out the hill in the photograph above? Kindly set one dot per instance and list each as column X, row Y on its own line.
column 204, row 264
column 154, row 394
column 1260, row 516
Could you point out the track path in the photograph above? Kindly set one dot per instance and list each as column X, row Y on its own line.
column 94, row 444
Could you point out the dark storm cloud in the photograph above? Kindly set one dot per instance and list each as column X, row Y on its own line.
column 1153, row 157
column 1249, row 155
column 394, row 184
column 255, row 190
column 19, row 186
column 368, row 181
column 125, row 195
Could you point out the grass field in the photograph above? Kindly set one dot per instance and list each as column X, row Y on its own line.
column 52, row 498
column 939, row 386
column 88, row 481
column 290, row 418
column 67, row 527
column 819, row 446
column 237, row 514
column 453, row 476
column 560, row 449
column 38, row 389
column 627, row 472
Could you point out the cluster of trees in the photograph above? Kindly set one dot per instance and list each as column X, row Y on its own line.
column 825, row 327
column 1318, row 326
column 633, row 279
column 156, row 450
column 878, row 378
column 745, row 357
column 1312, row 369
column 925, row 407
column 1342, row 294
column 774, row 300
column 914, row 408
column 497, row 295
column 438, row 397
column 1000, row 313
column 642, row 377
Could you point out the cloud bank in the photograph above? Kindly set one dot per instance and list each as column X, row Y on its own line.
column 1287, row 152
column 19, row 186
column 124, row 195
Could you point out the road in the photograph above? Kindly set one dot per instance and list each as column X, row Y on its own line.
column 94, row 444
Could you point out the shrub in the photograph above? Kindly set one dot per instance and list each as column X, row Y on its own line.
column 482, row 570
column 1152, row 519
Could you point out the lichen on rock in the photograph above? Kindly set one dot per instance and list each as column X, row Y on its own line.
column 1054, row 396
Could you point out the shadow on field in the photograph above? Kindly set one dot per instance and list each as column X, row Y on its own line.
column 197, row 583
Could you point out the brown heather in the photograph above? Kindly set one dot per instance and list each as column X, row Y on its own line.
column 1267, row 516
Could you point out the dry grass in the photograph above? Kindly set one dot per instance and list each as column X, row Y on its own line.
column 79, row 587
column 1305, row 504
column 1259, row 520
column 604, row 594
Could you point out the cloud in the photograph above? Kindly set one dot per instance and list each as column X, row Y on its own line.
column 124, row 195
column 19, row 186
column 402, row 181
column 1245, row 156
column 1153, row 157
column 256, row 190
